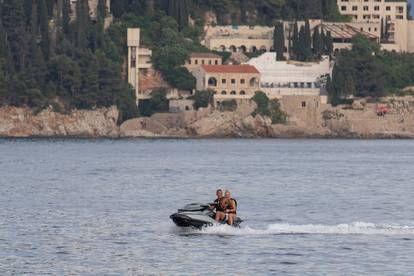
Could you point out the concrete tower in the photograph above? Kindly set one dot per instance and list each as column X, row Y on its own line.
column 139, row 59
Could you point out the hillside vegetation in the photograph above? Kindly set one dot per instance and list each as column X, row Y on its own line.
column 48, row 59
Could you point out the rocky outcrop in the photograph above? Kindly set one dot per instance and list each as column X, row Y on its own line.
column 22, row 122
column 309, row 119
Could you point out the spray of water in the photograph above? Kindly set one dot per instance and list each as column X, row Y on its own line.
column 362, row 228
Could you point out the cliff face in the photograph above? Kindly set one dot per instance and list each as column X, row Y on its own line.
column 21, row 122
column 312, row 120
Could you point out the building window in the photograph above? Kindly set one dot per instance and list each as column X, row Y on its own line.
column 233, row 93
column 303, row 104
column 223, row 81
column 354, row 8
column 216, row 62
column 209, row 62
column 233, row 81
column 242, row 92
column 388, row 8
column 343, row 8
column 212, row 81
column 202, row 62
column 196, row 61
column 242, row 81
column 253, row 82
column 223, row 92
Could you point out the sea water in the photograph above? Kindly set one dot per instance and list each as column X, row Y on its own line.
column 310, row 207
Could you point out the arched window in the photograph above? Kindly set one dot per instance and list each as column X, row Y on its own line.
column 243, row 49
column 242, row 92
column 212, row 81
column 253, row 82
column 263, row 48
column 233, row 93
column 233, row 49
column 223, row 92
column 223, row 48
column 254, row 49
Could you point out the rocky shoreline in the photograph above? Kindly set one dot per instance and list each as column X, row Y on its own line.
column 322, row 121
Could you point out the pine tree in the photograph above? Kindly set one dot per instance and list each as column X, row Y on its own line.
column 279, row 41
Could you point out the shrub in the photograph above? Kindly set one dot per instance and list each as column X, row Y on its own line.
column 269, row 108
column 202, row 98
column 228, row 105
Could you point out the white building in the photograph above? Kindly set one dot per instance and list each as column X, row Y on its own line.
column 291, row 78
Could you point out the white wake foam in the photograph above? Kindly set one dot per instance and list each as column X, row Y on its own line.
column 340, row 229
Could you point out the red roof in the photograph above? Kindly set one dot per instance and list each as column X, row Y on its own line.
column 238, row 69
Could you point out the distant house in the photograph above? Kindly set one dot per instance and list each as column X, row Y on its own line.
column 198, row 59
column 228, row 81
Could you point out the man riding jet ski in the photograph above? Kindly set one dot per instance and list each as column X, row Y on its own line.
column 198, row 215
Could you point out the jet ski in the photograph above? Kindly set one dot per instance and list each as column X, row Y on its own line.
column 198, row 215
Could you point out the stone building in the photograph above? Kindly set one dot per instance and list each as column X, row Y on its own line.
column 139, row 61
column 228, row 81
column 400, row 35
column 373, row 10
column 390, row 16
column 197, row 59
column 291, row 78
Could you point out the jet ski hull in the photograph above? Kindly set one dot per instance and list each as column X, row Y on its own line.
column 182, row 220
column 197, row 216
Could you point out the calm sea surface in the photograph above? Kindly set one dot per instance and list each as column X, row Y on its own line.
column 311, row 207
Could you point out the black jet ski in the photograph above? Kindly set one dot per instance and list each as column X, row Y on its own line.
column 198, row 215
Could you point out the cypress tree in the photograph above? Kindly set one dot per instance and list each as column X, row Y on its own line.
column 44, row 29
column 301, row 55
column 317, row 43
column 14, row 22
column 33, row 33
column 82, row 24
column 328, row 43
column 307, row 40
column 295, row 41
column 279, row 41
column 66, row 17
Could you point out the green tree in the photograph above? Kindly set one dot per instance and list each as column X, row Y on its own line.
column 203, row 98
column 317, row 43
column 44, row 29
column 279, row 41
column 66, row 9
column 328, row 44
column 14, row 23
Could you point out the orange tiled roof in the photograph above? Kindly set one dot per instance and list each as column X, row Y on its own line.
column 236, row 69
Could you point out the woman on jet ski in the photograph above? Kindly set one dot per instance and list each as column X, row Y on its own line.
column 227, row 209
